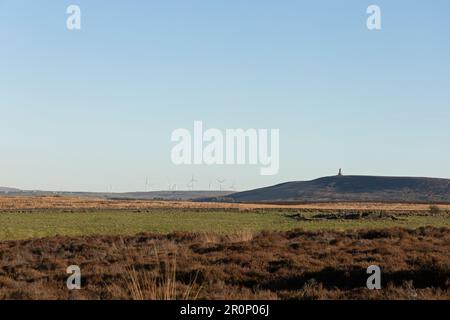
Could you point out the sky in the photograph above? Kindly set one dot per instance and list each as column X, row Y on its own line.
column 94, row 109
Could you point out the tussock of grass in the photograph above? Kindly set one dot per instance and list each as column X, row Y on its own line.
column 159, row 285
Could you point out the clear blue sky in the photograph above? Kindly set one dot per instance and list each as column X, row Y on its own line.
column 87, row 109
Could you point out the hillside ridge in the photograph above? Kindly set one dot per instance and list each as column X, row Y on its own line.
column 351, row 188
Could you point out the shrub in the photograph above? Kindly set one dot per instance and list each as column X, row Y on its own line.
column 434, row 209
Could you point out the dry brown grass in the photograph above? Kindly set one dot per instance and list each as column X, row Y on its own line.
column 233, row 237
column 269, row 265
column 76, row 203
column 159, row 285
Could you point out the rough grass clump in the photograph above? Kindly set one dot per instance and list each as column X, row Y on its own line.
column 434, row 209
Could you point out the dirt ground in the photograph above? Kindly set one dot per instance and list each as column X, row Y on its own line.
column 295, row 264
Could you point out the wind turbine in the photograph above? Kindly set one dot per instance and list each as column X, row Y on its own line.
column 148, row 186
column 220, row 182
column 169, row 184
column 173, row 187
column 232, row 187
column 191, row 183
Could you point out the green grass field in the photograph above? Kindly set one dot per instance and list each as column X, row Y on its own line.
column 15, row 226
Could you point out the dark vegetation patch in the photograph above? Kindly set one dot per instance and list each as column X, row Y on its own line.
column 296, row 264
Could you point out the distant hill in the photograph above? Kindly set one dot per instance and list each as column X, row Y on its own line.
column 151, row 195
column 8, row 190
column 351, row 188
column 167, row 195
